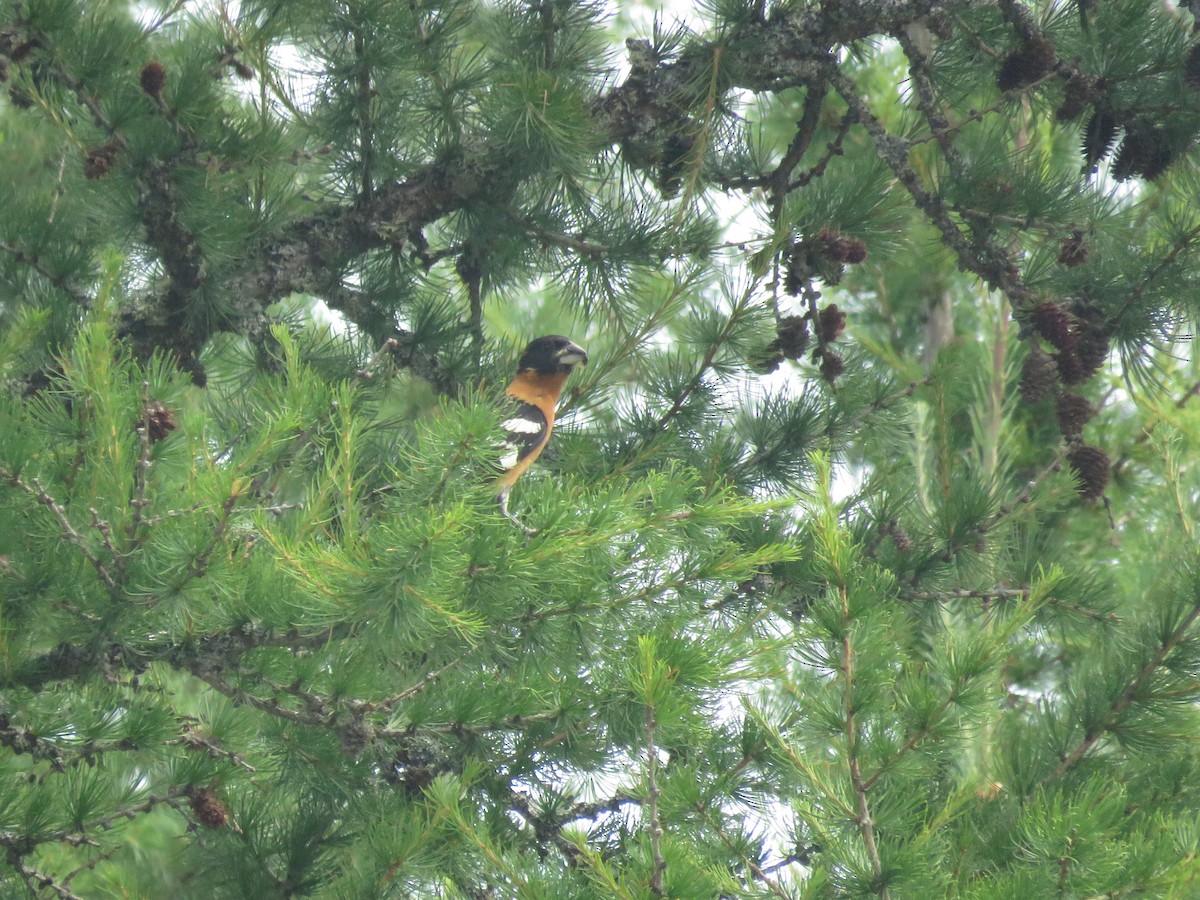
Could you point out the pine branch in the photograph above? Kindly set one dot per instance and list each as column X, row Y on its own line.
column 779, row 182
column 107, row 821
column 547, row 828
column 1133, row 692
column 1184, row 243
column 194, row 740
column 760, row 54
column 582, row 246
column 35, row 490
column 17, row 847
column 926, row 99
column 322, row 717
column 756, row 870
column 159, row 206
column 594, row 810
column 741, row 308
column 220, row 652
column 652, row 795
column 141, row 479
column 37, row 881
column 999, row 593
column 23, row 740
column 912, row 743
column 866, row 827
column 198, row 566
column 982, row 256
column 1022, row 499
column 833, row 149
column 91, row 864
column 77, row 294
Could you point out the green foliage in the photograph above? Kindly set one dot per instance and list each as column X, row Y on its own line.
column 826, row 595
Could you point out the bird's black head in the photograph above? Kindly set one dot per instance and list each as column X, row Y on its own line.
column 551, row 354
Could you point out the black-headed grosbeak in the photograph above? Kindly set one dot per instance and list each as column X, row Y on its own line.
column 541, row 373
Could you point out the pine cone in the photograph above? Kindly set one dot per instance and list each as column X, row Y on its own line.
column 161, row 421
column 1091, row 465
column 1054, row 324
column 1098, row 137
column 208, row 810
column 1071, row 369
column 1039, row 376
column 1089, row 348
column 831, row 322
column 1027, row 64
column 900, row 537
column 153, row 77
column 1073, row 251
column 1092, row 351
column 1073, row 412
column 1076, row 96
column 842, row 249
column 19, row 97
column 1144, row 152
column 354, row 736
column 99, row 161
column 20, row 51
column 832, row 366
column 792, row 338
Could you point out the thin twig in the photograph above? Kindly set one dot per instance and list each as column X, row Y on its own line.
column 913, row 741
column 38, row 881
column 386, row 347
column 866, row 827
column 194, row 740
column 982, row 255
column 1129, row 695
column 834, row 148
column 926, row 99
column 427, row 679
column 104, row 823
column 652, row 794
column 77, row 294
column 271, row 706
column 140, row 475
column 35, row 490
column 106, row 538
column 199, row 565
column 755, row 869
column 92, row 863
column 999, row 593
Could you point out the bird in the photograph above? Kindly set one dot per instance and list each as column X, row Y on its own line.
column 542, row 371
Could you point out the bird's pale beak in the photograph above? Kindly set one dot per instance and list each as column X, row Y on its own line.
column 572, row 355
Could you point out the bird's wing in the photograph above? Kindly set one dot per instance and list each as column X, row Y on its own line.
column 525, row 433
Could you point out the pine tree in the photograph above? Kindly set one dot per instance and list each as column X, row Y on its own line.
column 865, row 560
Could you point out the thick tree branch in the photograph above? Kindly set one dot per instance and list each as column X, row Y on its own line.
column 644, row 115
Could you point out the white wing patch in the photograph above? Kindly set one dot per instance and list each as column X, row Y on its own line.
column 521, row 425
column 511, row 454
column 525, row 431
